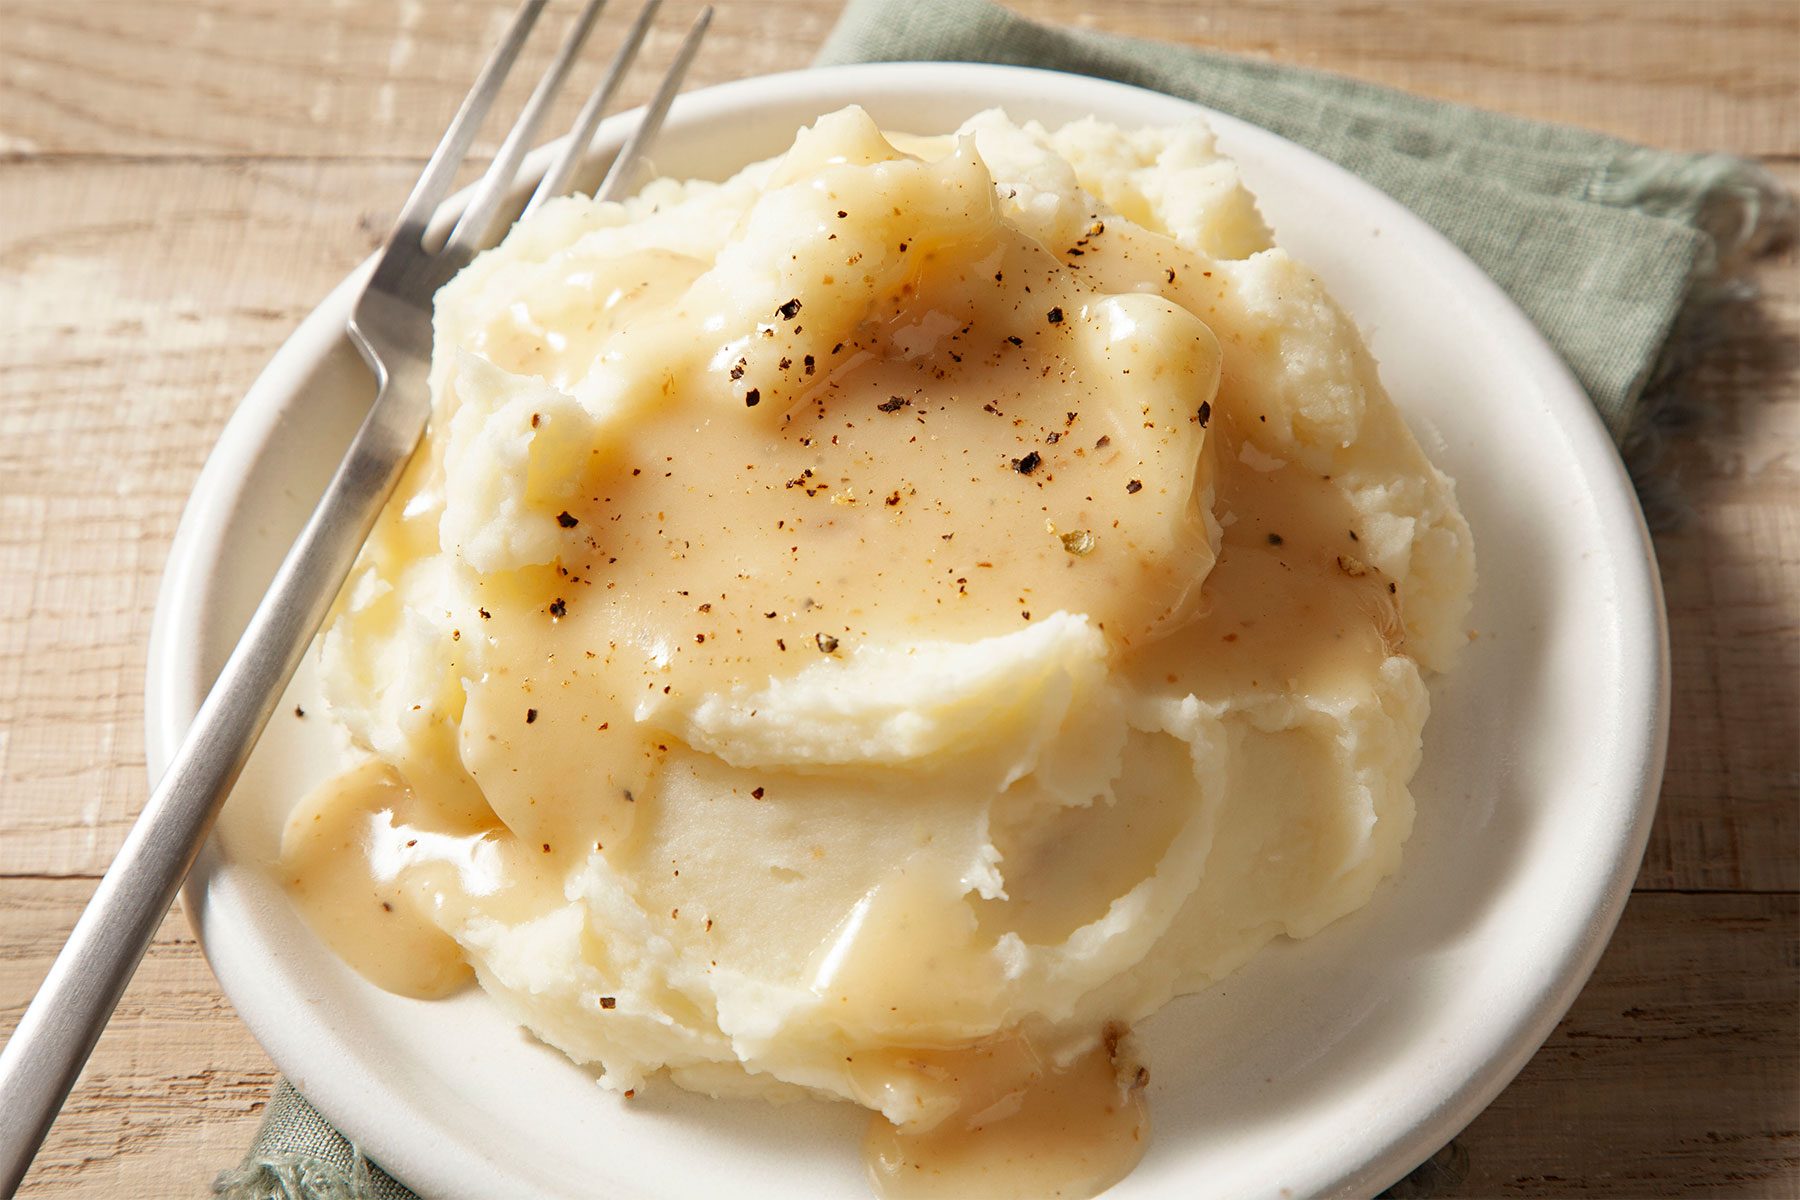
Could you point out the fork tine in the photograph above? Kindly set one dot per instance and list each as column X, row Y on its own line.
column 434, row 181
column 624, row 167
column 561, row 174
column 470, row 234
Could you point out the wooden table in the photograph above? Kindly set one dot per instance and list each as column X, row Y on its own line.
column 180, row 183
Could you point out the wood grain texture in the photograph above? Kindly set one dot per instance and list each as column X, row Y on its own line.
column 177, row 1084
column 1730, row 815
column 370, row 79
column 179, row 184
column 1676, row 1071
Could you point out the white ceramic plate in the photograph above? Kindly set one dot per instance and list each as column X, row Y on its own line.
column 1328, row 1067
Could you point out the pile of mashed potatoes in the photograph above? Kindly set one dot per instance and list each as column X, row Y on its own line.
column 921, row 602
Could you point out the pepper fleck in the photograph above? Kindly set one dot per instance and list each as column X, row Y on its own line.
column 530, row 715
column 825, row 642
column 790, row 310
column 1134, row 487
column 1055, row 315
column 566, row 519
column 753, row 397
column 893, row 404
column 1205, row 412
column 609, row 1002
column 558, row 608
column 1274, row 539
column 1028, row 464
column 756, row 793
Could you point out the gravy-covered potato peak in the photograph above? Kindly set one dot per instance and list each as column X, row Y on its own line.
column 879, row 627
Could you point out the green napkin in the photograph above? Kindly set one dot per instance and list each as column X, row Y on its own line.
column 1621, row 254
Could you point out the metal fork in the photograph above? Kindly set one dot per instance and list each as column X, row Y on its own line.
column 391, row 326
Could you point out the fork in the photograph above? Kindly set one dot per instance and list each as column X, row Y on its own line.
column 391, row 326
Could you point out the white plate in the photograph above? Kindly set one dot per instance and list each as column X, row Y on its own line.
column 1328, row 1067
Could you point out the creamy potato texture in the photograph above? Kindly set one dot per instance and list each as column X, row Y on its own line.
column 879, row 626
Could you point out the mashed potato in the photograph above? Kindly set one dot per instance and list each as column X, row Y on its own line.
column 879, row 626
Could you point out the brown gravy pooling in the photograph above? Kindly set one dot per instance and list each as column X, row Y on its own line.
column 1027, row 1130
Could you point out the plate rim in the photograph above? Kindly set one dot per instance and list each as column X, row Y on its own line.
column 1642, row 750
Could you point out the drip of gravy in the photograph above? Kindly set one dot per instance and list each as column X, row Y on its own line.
column 1026, row 1129
column 382, row 877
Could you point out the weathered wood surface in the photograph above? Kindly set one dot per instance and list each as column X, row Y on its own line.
column 179, row 184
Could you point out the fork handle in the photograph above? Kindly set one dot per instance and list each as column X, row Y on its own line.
column 57, row 1033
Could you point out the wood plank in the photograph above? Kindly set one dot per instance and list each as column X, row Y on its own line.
column 1730, row 814
column 176, row 1085
column 269, row 77
column 1677, row 1072
column 141, row 301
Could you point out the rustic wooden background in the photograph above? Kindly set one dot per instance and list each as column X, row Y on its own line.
column 181, row 182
